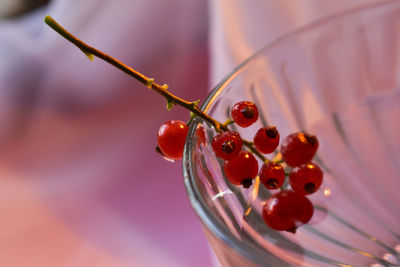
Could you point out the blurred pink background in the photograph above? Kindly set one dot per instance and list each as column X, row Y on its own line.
column 80, row 183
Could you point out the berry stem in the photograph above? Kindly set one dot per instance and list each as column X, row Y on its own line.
column 90, row 52
column 250, row 145
column 228, row 122
column 149, row 82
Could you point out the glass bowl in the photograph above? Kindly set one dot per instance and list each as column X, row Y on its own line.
column 337, row 78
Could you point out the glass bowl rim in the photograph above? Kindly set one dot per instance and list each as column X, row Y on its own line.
column 210, row 221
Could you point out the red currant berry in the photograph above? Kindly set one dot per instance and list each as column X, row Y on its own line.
column 227, row 145
column 244, row 113
column 266, row 139
column 306, row 178
column 287, row 210
column 272, row 175
column 171, row 138
column 242, row 169
column 299, row 148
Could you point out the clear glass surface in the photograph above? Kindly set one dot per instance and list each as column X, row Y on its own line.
column 337, row 78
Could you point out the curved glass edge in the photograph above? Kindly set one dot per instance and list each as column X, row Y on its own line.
column 198, row 204
column 213, row 225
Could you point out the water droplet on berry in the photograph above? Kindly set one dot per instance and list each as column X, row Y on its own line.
column 376, row 265
column 397, row 248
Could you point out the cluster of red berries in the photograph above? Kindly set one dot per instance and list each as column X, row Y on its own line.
column 283, row 211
